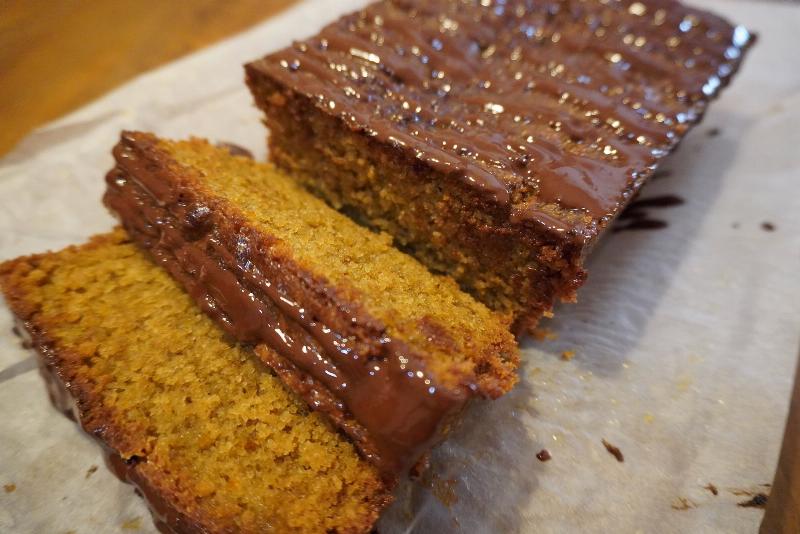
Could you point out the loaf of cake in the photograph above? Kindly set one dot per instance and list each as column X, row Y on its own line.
column 211, row 438
column 495, row 141
column 364, row 333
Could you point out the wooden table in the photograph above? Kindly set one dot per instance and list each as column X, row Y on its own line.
column 783, row 508
column 56, row 55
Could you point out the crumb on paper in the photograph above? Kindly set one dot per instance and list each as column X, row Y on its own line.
column 567, row 355
column 442, row 489
column 613, row 450
column 682, row 503
column 649, row 418
column 712, row 488
column 684, row 383
column 544, row 334
column 544, row 455
column 445, row 491
column 768, row 226
column 535, row 371
column 92, row 470
column 10, row 488
column 759, row 500
column 132, row 524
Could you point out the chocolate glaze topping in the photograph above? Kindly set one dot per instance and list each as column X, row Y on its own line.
column 376, row 390
column 556, row 110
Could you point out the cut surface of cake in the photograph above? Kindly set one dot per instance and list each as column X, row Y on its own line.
column 363, row 332
column 495, row 141
column 212, row 439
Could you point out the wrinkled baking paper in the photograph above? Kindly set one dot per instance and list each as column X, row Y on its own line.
column 683, row 343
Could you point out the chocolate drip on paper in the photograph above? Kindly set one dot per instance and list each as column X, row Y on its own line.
column 555, row 111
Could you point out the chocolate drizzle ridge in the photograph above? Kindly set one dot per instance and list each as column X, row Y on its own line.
column 372, row 387
column 557, row 111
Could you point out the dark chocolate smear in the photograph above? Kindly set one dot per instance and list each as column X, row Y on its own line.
column 641, row 224
column 637, row 217
column 759, row 500
column 662, row 201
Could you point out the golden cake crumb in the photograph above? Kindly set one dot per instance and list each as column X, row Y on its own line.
column 209, row 429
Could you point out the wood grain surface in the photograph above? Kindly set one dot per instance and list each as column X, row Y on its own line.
column 783, row 508
column 56, row 55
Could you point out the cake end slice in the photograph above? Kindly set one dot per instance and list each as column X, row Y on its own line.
column 365, row 333
column 210, row 437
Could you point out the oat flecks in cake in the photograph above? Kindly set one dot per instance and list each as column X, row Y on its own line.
column 518, row 129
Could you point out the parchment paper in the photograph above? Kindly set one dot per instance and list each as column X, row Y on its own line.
column 684, row 339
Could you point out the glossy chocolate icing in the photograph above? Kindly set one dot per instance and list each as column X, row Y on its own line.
column 375, row 389
column 556, row 110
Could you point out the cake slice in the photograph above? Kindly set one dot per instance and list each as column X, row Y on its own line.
column 496, row 141
column 364, row 333
column 210, row 437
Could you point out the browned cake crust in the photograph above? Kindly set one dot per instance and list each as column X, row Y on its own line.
column 68, row 392
column 61, row 305
column 494, row 141
column 392, row 394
